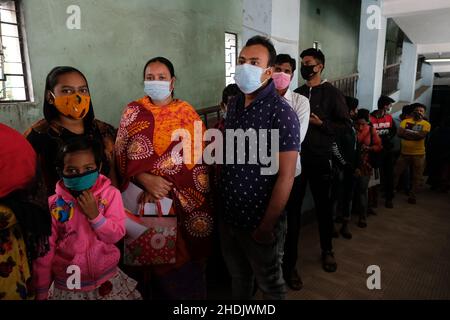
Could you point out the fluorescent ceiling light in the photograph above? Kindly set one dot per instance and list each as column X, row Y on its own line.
column 438, row 60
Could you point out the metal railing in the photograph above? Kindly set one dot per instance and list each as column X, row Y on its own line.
column 390, row 79
column 347, row 85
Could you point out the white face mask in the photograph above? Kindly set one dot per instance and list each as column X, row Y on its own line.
column 157, row 90
column 248, row 77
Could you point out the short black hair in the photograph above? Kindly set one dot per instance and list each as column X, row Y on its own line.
column 384, row 101
column 407, row 109
column 81, row 143
column 417, row 105
column 363, row 114
column 164, row 61
column 315, row 53
column 265, row 42
column 230, row 90
column 352, row 103
column 285, row 58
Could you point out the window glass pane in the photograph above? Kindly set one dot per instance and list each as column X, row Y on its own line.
column 10, row 30
column 230, row 57
column 11, row 49
column 8, row 16
column 13, row 68
column 15, row 82
column 12, row 88
column 14, row 94
column 8, row 5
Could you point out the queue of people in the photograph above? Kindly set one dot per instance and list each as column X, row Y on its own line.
column 66, row 206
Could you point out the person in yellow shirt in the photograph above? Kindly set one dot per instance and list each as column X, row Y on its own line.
column 413, row 132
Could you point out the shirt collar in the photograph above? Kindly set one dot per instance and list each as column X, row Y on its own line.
column 268, row 91
column 288, row 95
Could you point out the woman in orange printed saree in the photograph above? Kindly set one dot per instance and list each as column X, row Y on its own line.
column 144, row 154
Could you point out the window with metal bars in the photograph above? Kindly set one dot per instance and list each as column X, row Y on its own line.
column 13, row 81
column 230, row 57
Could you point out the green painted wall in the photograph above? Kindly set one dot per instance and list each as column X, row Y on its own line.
column 336, row 28
column 115, row 41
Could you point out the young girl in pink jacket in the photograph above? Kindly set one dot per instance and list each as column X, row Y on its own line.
column 88, row 219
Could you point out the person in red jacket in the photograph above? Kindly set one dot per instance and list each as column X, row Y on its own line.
column 383, row 122
column 368, row 143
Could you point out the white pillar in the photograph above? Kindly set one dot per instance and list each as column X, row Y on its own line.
column 286, row 30
column 408, row 69
column 257, row 19
column 277, row 19
column 372, row 41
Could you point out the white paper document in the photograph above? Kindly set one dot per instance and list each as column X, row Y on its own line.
column 130, row 198
column 151, row 210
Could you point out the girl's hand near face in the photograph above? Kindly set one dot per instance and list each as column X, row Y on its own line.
column 88, row 204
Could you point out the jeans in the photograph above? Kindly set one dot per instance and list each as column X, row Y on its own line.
column 416, row 163
column 247, row 259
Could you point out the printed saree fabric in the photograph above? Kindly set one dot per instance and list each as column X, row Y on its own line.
column 144, row 144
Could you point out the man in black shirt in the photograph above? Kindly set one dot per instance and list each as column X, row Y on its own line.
column 328, row 111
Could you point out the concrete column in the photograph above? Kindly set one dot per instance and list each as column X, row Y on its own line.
column 372, row 41
column 277, row 19
column 408, row 69
column 257, row 18
column 286, row 30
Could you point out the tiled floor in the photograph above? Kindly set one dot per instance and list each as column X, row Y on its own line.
column 410, row 244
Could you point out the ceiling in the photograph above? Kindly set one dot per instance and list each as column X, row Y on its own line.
column 427, row 24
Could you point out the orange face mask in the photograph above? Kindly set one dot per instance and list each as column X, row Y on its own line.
column 75, row 105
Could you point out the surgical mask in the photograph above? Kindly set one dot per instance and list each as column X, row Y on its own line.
column 281, row 80
column 75, row 106
column 248, row 77
column 157, row 90
column 389, row 110
column 307, row 72
column 81, row 182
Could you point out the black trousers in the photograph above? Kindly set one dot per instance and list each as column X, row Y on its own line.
column 318, row 173
column 342, row 189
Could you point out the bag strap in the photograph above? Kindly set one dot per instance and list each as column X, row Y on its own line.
column 159, row 209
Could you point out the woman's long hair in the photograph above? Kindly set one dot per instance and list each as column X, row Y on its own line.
column 32, row 215
column 50, row 111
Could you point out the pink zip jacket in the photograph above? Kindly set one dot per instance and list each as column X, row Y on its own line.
column 88, row 244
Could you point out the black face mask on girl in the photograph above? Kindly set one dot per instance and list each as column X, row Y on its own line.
column 307, row 72
column 417, row 115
